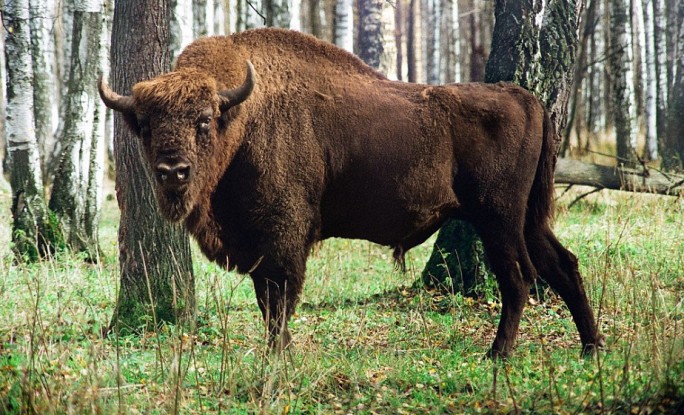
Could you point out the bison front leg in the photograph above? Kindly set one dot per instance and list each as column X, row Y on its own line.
column 277, row 292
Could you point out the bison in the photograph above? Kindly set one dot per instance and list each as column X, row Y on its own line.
column 267, row 141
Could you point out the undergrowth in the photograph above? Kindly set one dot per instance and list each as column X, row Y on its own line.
column 364, row 341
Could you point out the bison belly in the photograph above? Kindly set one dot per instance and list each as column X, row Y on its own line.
column 387, row 212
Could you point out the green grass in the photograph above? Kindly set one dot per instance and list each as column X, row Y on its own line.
column 363, row 341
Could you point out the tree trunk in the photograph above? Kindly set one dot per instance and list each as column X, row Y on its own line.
column 433, row 39
column 254, row 16
column 370, row 32
column 72, row 179
column 534, row 45
column 44, row 108
column 575, row 172
column 660, row 50
column 33, row 233
column 650, row 87
column 344, row 25
column 199, row 18
column 156, row 271
column 411, row 50
column 673, row 154
column 277, row 13
column 622, row 82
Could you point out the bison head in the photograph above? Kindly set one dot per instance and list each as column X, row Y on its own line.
column 179, row 117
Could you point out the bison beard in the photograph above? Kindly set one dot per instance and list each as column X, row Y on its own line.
column 310, row 143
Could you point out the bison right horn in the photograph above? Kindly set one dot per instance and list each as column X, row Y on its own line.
column 113, row 100
column 232, row 97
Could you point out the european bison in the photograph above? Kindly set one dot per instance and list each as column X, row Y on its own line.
column 260, row 160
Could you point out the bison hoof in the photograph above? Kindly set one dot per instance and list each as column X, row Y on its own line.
column 590, row 349
column 279, row 343
column 495, row 354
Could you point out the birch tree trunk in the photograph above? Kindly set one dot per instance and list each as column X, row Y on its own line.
column 344, row 25
column 534, row 45
column 82, row 138
column 660, row 51
column 42, row 47
column 180, row 26
column 434, row 42
column 33, row 234
column 154, row 256
column 296, row 15
column 451, row 67
column 253, row 11
column 200, row 26
column 278, row 13
column 370, row 37
column 622, row 82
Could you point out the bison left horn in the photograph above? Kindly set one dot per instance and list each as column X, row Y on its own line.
column 112, row 99
column 232, row 97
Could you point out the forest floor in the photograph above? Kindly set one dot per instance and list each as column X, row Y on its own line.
column 364, row 340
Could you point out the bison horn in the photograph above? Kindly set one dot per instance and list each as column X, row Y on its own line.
column 232, row 97
column 112, row 99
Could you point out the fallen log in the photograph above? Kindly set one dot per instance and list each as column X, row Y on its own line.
column 643, row 180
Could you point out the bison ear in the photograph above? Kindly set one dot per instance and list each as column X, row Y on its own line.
column 231, row 97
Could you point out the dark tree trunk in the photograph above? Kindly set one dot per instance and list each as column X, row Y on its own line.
column 411, row 41
column 156, row 270
column 673, row 154
column 370, row 32
column 534, row 47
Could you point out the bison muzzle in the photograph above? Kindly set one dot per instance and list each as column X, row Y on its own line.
column 267, row 141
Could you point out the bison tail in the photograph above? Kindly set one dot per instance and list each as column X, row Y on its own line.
column 540, row 203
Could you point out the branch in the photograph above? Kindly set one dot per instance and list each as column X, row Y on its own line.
column 618, row 178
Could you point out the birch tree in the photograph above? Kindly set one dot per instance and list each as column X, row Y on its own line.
column 622, row 81
column 278, row 13
column 33, row 233
column 180, row 26
column 43, row 58
column 344, row 25
column 76, row 194
column 370, row 36
column 660, row 51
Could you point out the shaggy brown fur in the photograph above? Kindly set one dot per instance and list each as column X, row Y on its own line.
column 324, row 146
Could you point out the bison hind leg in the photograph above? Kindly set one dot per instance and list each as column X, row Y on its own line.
column 558, row 267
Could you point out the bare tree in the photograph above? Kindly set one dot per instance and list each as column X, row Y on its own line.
column 278, row 13
column 650, row 83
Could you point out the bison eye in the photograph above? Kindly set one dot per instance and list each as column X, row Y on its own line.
column 204, row 125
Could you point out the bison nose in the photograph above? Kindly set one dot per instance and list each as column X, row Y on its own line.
column 173, row 174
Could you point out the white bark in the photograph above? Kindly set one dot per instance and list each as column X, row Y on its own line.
column 344, row 24
column 77, row 189
column 621, row 63
column 388, row 58
column 20, row 127
column 451, row 62
column 296, row 15
column 180, row 26
column 42, row 47
column 660, row 51
column 254, row 16
column 278, row 13
column 433, row 39
column 370, row 35
column 219, row 17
